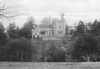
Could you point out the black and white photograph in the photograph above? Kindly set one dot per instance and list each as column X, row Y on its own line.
column 49, row 34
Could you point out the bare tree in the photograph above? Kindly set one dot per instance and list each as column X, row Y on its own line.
column 4, row 12
column 46, row 22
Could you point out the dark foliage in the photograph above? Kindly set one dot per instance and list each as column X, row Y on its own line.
column 3, row 37
column 18, row 50
column 80, row 29
column 54, row 54
column 42, row 32
column 24, row 32
column 95, row 28
column 13, row 31
column 84, row 48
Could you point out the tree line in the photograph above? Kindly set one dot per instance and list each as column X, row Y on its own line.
column 83, row 46
column 86, row 45
column 16, row 43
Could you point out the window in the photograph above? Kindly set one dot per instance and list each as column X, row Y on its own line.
column 59, row 26
column 60, row 32
column 50, row 32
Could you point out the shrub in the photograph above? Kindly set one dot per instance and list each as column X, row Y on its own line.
column 84, row 48
column 18, row 50
column 54, row 53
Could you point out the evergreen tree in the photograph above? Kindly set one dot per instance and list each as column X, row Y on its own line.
column 13, row 31
column 85, row 48
column 80, row 29
column 26, row 30
column 3, row 36
column 95, row 28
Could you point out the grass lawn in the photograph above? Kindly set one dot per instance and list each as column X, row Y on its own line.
column 45, row 65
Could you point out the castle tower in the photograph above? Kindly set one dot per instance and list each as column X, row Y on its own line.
column 59, row 26
column 62, row 17
column 63, row 23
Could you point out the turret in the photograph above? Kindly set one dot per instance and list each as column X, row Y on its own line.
column 62, row 17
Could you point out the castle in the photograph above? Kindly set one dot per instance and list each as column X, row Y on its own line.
column 58, row 30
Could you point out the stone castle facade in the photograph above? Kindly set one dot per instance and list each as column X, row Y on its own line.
column 59, row 26
column 58, row 29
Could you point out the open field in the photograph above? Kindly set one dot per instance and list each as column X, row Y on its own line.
column 45, row 65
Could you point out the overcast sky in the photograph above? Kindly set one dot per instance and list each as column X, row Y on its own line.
column 74, row 10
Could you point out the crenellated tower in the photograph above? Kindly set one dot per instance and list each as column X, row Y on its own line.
column 59, row 26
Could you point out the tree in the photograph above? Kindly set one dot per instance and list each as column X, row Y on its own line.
column 25, row 33
column 46, row 22
column 66, row 30
column 26, row 30
column 30, row 23
column 88, row 28
column 84, row 48
column 53, row 53
column 42, row 32
column 3, row 40
column 4, row 12
column 3, row 36
column 19, row 50
column 13, row 31
column 80, row 29
column 49, row 51
column 95, row 28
